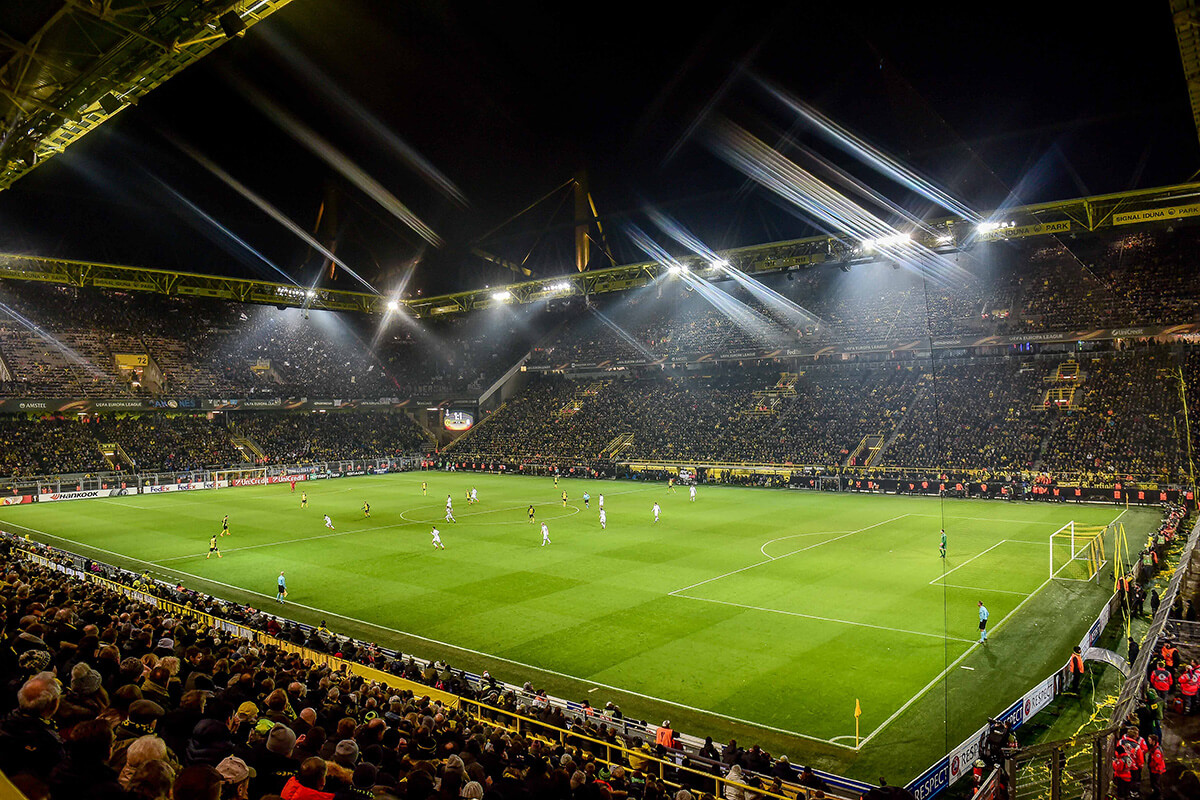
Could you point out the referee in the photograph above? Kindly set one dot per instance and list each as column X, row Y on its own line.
column 983, row 618
column 282, row 588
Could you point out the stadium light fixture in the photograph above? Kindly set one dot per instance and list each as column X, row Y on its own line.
column 720, row 263
column 675, row 269
column 500, row 297
column 231, row 24
column 310, row 293
column 393, row 306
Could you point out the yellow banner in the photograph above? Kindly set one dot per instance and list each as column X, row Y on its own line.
column 131, row 360
column 1156, row 214
column 1022, row 231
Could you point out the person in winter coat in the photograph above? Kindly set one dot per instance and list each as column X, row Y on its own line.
column 308, row 783
column 735, row 776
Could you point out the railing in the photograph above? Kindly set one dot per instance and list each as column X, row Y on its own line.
column 671, row 770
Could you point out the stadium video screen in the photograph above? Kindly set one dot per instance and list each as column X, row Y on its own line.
column 458, row 420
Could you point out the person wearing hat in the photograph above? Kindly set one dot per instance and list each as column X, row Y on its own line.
column 664, row 736
column 360, row 785
column 273, row 759
column 85, row 700
column 142, row 720
column 236, row 776
column 209, row 743
column 346, row 753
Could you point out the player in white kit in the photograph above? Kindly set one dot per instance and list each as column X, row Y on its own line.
column 474, row 495
column 603, row 520
column 328, row 522
column 545, row 535
column 692, row 493
column 656, row 510
column 450, row 510
column 437, row 539
column 601, row 499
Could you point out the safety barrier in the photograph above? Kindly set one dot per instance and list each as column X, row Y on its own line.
column 672, row 773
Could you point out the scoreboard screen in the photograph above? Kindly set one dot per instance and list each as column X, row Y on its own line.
column 458, row 419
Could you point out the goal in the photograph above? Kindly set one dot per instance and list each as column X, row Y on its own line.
column 1077, row 552
column 245, row 476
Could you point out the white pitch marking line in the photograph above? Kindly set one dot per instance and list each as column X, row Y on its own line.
column 981, row 589
column 968, row 561
column 987, row 519
column 959, row 660
column 763, row 549
column 769, row 559
column 937, row 636
column 459, row 648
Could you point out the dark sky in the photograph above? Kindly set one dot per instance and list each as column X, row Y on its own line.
column 510, row 100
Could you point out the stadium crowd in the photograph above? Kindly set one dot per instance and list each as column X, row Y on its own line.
column 110, row 697
column 58, row 341
column 989, row 415
column 207, row 348
column 185, row 442
column 1006, row 288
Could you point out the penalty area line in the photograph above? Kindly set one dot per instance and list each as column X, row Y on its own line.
column 460, row 648
column 938, row 636
column 961, row 658
column 769, row 559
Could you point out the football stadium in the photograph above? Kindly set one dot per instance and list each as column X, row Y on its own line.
column 406, row 400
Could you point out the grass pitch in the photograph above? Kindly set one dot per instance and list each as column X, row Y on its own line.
column 756, row 614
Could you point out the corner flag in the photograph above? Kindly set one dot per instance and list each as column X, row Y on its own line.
column 857, row 714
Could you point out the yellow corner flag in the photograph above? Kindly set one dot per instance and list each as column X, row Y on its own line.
column 857, row 714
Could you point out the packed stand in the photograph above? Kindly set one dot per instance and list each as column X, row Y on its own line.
column 299, row 438
column 1129, row 421
column 983, row 414
column 109, row 697
column 47, row 446
column 208, row 348
column 188, row 442
column 966, row 416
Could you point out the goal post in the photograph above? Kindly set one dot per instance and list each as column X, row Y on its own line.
column 243, row 474
column 1077, row 552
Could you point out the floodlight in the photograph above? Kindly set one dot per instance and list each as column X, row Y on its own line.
column 310, row 293
column 231, row 24
column 501, row 296
column 393, row 306
column 675, row 269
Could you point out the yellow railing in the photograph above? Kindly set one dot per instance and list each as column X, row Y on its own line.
column 508, row 720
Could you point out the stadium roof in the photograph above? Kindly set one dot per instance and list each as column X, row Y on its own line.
column 999, row 110
column 1140, row 207
column 67, row 66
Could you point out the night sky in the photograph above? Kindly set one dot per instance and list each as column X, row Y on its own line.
column 1049, row 100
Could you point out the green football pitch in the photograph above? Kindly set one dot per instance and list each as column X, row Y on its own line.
column 754, row 614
